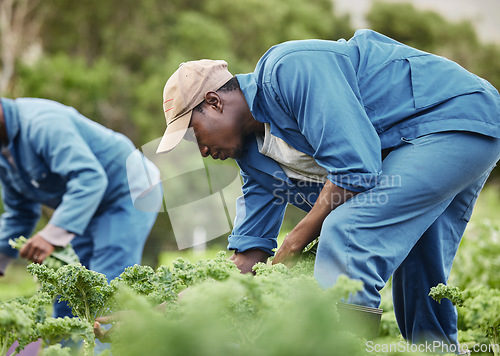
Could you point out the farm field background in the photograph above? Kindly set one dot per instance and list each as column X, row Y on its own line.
column 476, row 265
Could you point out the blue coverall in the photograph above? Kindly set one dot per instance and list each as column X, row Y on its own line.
column 69, row 163
column 344, row 103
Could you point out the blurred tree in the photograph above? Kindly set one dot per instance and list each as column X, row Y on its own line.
column 428, row 31
column 89, row 88
column 19, row 29
column 147, row 40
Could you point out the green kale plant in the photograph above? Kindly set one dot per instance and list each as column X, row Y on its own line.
column 158, row 286
column 87, row 293
column 279, row 311
column 22, row 320
column 479, row 309
column 15, row 323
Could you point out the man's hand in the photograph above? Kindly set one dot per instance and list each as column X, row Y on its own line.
column 247, row 259
column 36, row 249
column 104, row 335
column 289, row 252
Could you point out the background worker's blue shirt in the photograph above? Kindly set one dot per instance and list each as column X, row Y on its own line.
column 62, row 160
column 342, row 102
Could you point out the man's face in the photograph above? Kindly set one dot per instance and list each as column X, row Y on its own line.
column 218, row 134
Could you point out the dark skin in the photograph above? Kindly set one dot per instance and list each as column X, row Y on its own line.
column 220, row 131
column 37, row 248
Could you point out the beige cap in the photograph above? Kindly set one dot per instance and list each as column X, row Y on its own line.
column 185, row 89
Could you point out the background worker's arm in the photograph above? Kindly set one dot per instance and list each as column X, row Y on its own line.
column 19, row 219
column 74, row 162
column 309, row 227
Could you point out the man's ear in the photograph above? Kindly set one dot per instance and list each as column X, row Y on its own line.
column 213, row 99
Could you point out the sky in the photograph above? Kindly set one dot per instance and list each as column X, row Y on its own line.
column 484, row 14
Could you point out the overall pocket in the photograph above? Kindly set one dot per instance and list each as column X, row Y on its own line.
column 436, row 79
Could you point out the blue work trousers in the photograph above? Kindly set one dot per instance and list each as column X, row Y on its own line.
column 409, row 226
column 113, row 240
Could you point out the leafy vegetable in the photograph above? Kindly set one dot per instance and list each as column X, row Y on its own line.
column 54, row 330
column 87, row 292
column 158, row 287
column 15, row 323
column 19, row 319
column 480, row 306
column 60, row 257
column 449, row 292
column 279, row 311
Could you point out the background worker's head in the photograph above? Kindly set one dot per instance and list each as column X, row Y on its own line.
column 204, row 97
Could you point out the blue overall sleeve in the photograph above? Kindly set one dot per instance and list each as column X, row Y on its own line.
column 259, row 215
column 19, row 218
column 68, row 155
column 319, row 90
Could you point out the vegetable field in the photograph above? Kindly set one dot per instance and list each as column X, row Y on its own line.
column 279, row 311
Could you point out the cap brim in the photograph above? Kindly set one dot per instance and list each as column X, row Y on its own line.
column 174, row 133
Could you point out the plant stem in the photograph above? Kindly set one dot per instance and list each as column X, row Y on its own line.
column 494, row 342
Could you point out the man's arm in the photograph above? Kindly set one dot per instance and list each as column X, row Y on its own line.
column 309, row 227
column 259, row 213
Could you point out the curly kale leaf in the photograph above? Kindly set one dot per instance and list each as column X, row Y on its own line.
column 479, row 310
column 188, row 273
column 15, row 323
column 141, row 279
column 19, row 318
column 449, row 292
column 87, row 292
column 53, row 330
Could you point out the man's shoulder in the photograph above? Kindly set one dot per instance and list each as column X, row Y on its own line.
column 303, row 47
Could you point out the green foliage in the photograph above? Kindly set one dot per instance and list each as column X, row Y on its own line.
column 445, row 291
column 158, row 287
column 54, row 330
column 56, row 350
column 479, row 308
column 425, row 30
column 481, row 311
column 218, row 268
column 87, row 292
column 479, row 253
column 19, row 319
column 60, row 257
column 15, row 323
column 243, row 315
column 94, row 89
